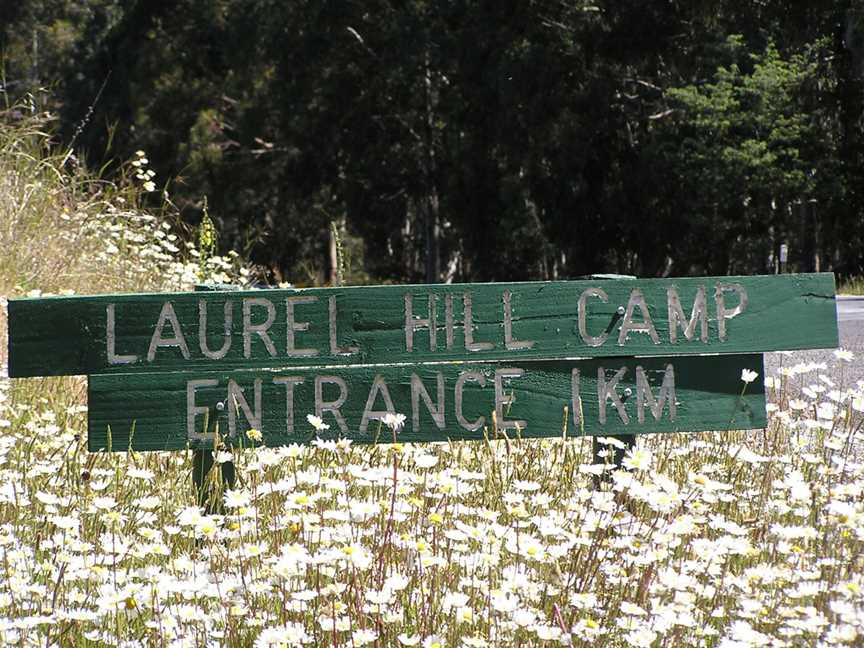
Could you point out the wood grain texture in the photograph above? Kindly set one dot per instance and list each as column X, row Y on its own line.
column 69, row 335
column 149, row 411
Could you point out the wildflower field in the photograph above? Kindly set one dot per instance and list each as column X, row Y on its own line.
column 750, row 538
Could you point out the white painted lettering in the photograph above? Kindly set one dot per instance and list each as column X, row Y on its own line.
column 644, row 395
column 193, row 410
column 261, row 329
column 228, row 319
column 645, row 326
column 293, row 327
column 509, row 343
column 332, row 406
column 502, row 399
column 449, row 326
column 237, row 402
column 335, row 349
column 470, row 344
column 111, row 341
column 590, row 340
column 606, row 391
column 167, row 316
column 378, row 386
column 413, row 323
column 724, row 313
column 460, row 386
column 575, row 397
column 290, row 382
column 699, row 314
column 418, row 391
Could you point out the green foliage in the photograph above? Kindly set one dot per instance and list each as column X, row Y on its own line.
column 852, row 286
column 68, row 230
column 464, row 143
column 207, row 237
column 745, row 151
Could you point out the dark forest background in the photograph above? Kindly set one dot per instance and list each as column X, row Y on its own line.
column 472, row 140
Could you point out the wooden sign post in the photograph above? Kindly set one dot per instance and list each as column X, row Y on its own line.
column 171, row 371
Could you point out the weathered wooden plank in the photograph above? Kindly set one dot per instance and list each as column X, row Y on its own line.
column 454, row 400
column 385, row 324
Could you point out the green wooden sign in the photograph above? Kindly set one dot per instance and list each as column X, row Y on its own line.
column 222, row 331
column 615, row 356
column 172, row 411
